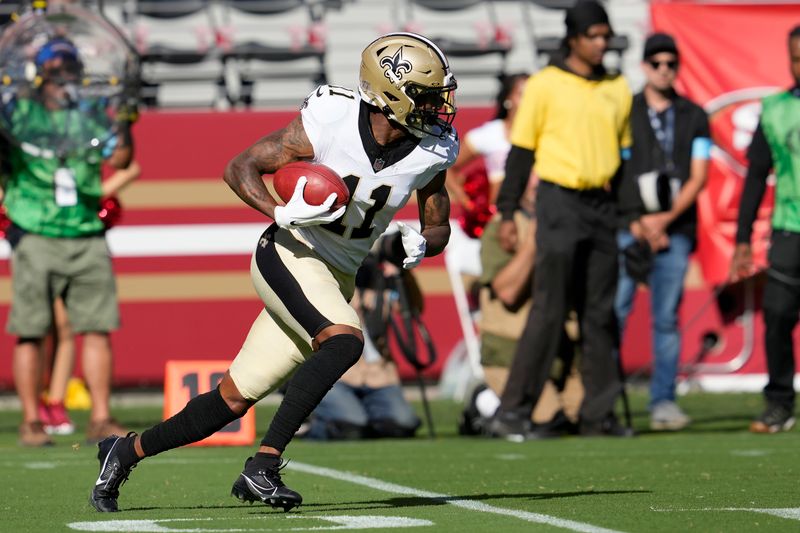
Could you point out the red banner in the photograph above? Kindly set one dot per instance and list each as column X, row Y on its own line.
column 731, row 56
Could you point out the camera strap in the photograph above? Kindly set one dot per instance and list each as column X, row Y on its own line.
column 663, row 125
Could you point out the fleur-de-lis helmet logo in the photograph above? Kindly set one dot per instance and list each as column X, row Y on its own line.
column 395, row 66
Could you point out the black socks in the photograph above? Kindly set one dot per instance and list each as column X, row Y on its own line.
column 266, row 460
column 126, row 452
column 203, row 416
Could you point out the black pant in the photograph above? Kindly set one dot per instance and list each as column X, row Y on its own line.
column 576, row 268
column 781, row 307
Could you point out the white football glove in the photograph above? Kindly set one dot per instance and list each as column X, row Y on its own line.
column 414, row 245
column 297, row 213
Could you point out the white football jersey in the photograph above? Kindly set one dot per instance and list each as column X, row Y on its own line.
column 379, row 183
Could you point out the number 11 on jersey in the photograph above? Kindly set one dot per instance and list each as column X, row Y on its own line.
column 379, row 196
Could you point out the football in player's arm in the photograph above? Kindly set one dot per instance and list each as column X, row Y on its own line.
column 244, row 175
column 303, row 268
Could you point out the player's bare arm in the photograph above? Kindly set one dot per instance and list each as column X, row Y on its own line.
column 434, row 214
column 268, row 154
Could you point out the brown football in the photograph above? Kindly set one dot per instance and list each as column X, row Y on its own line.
column 322, row 181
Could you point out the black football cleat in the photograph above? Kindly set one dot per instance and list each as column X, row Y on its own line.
column 260, row 481
column 112, row 475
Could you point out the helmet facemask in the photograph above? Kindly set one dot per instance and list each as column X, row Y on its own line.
column 434, row 109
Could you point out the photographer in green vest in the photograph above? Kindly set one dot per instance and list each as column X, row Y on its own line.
column 52, row 197
column 776, row 145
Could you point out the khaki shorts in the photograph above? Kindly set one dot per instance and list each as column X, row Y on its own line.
column 302, row 295
column 77, row 270
column 497, row 350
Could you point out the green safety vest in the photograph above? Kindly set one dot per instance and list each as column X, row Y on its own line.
column 780, row 120
column 30, row 197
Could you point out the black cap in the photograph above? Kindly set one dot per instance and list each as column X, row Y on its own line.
column 584, row 14
column 659, row 42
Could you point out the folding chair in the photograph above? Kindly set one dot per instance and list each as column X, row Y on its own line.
column 444, row 21
column 159, row 29
column 295, row 31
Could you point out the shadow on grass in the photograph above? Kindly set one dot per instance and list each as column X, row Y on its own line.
column 733, row 423
column 416, row 501
column 183, row 507
column 398, row 502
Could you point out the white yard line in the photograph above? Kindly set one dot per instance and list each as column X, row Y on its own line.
column 480, row 507
column 156, row 525
column 789, row 513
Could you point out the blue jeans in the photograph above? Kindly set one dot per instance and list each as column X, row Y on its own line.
column 362, row 407
column 666, row 291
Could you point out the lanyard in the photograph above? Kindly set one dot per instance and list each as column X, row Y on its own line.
column 664, row 131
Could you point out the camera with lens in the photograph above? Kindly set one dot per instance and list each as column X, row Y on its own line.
column 658, row 189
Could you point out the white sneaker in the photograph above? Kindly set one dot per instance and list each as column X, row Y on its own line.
column 667, row 416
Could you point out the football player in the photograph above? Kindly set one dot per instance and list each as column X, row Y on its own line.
column 390, row 137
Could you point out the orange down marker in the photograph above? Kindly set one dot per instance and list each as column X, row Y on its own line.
column 183, row 380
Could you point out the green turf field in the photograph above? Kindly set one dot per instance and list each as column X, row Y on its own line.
column 716, row 477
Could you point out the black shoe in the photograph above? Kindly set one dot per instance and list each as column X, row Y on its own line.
column 112, row 475
column 774, row 419
column 607, row 427
column 260, row 481
column 510, row 426
column 558, row 426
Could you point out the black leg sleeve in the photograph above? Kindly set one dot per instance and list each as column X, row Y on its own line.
column 309, row 385
column 203, row 416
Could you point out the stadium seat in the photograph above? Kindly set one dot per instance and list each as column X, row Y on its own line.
column 177, row 42
column 491, row 39
column 555, row 4
column 265, row 33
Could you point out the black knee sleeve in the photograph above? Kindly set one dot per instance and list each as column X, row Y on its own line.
column 311, row 382
column 203, row 416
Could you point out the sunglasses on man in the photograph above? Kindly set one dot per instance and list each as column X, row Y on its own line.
column 672, row 64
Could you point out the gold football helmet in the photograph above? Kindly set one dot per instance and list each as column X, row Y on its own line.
column 408, row 78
